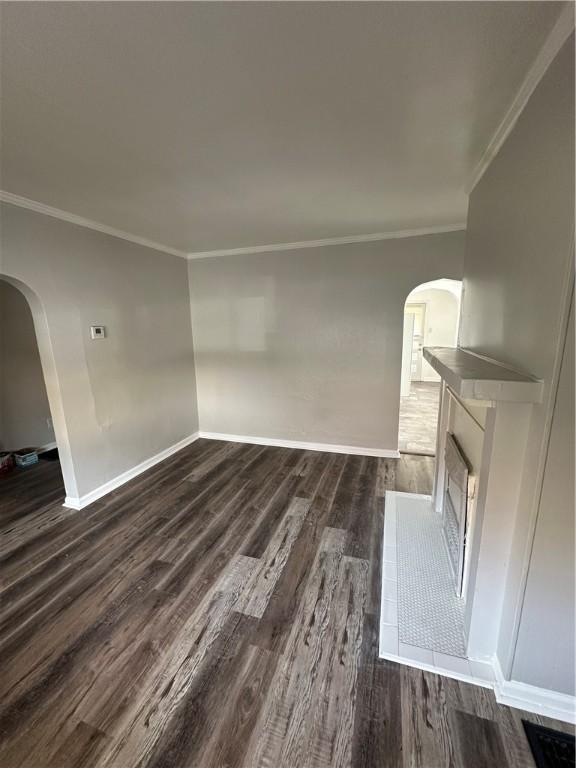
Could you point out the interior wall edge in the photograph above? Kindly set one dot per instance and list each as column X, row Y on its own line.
column 188, row 283
column 79, row 502
column 81, row 221
column 566, row 302
column 131, row 395
column 51, row 380
column 561, row 31
column 530, row 698
column 400, row 234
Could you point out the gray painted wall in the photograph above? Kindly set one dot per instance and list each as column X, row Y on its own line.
column 518, row 252
column 306, row 345
column 546, row 640
column 119, row 401
column 24, row 411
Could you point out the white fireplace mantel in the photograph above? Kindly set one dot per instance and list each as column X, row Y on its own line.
column 489, row 405
column 474, row 377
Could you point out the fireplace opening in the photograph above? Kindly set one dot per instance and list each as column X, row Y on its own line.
column 457, row 491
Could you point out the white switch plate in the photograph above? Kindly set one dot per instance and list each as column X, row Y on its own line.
column 97, row 331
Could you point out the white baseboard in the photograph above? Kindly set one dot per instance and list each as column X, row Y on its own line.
column 324, row 447
column 83, row 501
column 80, row 502
column 541, row 701
column 485, row 672
column 47, row 447
column 409, row 495
column 480, row 679
column 510, row 693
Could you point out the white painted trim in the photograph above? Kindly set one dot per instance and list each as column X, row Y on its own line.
column 441, row 229
column 555, row 40
column 389, row 641
column 47, row 447
column 72, row 218
column 488, row 385
column 536, row 497
column 510, row 693
column 541, row 701
column 279, row 443
column 438, row 670
column 409, row 495
column 489, row 673
column 83, row 501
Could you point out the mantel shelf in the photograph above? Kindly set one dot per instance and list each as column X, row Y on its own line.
column 473, row 377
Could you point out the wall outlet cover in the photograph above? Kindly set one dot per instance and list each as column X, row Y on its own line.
column 97, row 331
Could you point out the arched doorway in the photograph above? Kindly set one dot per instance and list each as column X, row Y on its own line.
column 26, row 419
column 35, row 404
column 431, row 317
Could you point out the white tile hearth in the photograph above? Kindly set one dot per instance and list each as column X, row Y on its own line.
column 421, row 616
column 430, row 615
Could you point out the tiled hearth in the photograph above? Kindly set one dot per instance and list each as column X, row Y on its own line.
column 421, row 616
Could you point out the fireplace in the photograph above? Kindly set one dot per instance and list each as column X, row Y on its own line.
column 455, row 508
column 483, row 427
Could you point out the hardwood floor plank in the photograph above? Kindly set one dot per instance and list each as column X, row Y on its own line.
column 343, row 500
column 183, row 740
column 239, row 710
column 82, row 747
column 273, row 512
column 332, row 723
column 278, row 618
column 221, row 610
column 41, row 706
column 279, row 739
column 183, row 659
column 414, row 474
column 478, row 742
column 386, row 480
column 270, row 566
column 420, row 745
column 377, row 738
column 362, row 511
column 89, row 590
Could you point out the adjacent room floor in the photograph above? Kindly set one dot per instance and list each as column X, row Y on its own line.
column 221, row 610
column 419, row 418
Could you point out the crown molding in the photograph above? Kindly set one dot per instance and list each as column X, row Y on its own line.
column 331, row 241
column 557, row 37
column 562, row 29
column 72, row 218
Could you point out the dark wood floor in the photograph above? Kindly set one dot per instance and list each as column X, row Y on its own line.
column 221, row 610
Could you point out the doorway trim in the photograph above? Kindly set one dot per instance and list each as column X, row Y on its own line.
column 51, row 381
column 422, row 305
column 451, row 286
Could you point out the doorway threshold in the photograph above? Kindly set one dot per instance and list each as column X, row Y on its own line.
column 421, row 617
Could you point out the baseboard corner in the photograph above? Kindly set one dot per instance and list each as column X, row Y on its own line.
column 72, row 502
column 79, row 502
column 387, row 453
column 540, row 701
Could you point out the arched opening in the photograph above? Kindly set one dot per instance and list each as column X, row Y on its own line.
column 431, row 317
column 31, row 412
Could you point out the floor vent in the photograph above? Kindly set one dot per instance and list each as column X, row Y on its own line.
column 551, row 749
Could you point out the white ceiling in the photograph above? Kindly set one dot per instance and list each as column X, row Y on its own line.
column 223, row 125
